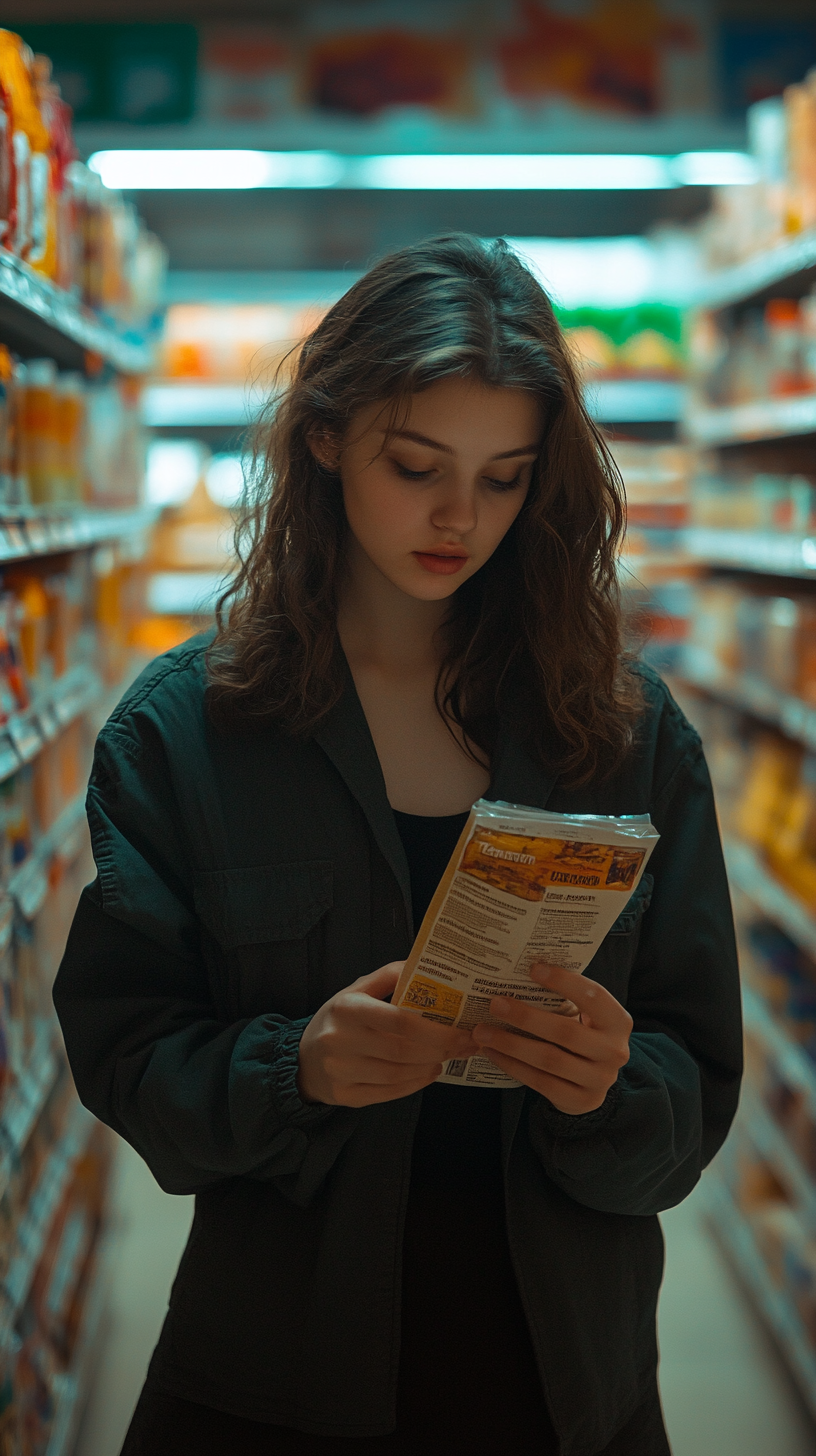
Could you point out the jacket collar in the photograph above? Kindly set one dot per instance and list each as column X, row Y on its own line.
column 345, row 738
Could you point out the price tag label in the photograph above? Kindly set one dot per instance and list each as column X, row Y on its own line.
column 15, row 542
column 9, row 762
column 37, row 536
column 24, row 733
column 30, row 887
column 49, row 721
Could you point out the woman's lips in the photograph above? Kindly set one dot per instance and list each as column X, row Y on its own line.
column 440, row 562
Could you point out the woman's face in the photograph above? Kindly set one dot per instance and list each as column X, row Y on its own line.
column 430, row 504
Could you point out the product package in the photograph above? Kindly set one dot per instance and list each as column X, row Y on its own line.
column 522, row 886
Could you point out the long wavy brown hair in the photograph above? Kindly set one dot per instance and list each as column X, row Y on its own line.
column 538, row 628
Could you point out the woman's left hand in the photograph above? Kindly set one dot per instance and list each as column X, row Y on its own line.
column 578, row 1057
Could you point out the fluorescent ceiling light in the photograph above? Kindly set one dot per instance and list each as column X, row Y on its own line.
column 540, row 171
column 216, row 169
column 714, row 169
column 518, row 171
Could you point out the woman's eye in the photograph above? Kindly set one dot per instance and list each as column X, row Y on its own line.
column 411, row 474
column 500, row 485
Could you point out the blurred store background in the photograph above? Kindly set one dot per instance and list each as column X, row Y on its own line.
column 184, row 188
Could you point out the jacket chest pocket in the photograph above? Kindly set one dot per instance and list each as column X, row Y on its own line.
column 612, row 965
column 267, row 921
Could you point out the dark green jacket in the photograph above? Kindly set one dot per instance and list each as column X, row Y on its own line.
column 243, row 880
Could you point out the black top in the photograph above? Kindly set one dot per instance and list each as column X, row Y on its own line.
column 247, row 876
column 461, row 1311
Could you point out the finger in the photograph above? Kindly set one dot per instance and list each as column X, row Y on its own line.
column 565, row 1031
column 407, row 1034
column 592, row 1000
column 542, row 1055
column 566, row 1096
column 379, row 983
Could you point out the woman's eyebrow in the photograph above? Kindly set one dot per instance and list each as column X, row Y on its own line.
column 522, row 450
column 437, row 445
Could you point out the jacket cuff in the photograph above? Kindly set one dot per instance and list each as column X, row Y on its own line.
column 565, row 1125
column 282, row 1083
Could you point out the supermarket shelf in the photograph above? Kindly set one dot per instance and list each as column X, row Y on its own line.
column 38, row 319
column 26, row 733
column 192, row 593
column 72, row 1388
column 771, row 1143
column 29, row 886
column 33, row 1230
column 749, row 694
column 25, row 1102
column 793, row 1063
column 749, row 874
column 759, row 419
column 777, row 553
column 747, row 279
column 631, row 401
column 615, row 400
column 197, row 404
column 25, row 533
column 736, row 1236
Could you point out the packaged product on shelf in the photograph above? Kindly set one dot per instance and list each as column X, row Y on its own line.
column 745, row 220
column 231, row 342
column 767, row 353
column 30, row 146
column 655, row 566
column 197, row 535
column 66, row 440
column 644, row 341
column 760, row 501
column 64, row 1272
column 115, row 443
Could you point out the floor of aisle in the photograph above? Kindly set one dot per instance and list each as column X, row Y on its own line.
column 725, row 1390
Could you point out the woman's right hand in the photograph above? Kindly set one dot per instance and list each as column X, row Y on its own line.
column 358, row 1049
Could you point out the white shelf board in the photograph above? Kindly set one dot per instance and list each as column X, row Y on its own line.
column 25, row 1100
column 771, row 1142
column 615, row 400
column 747, row 871
column 27, row 532
column 43, row 319
column 754, row 275
column 32, row 1232
column 775, row 1304
column 72, row 1387
column 198, row 404
column 758, row 419
column 795, row 1065
column 28, row 886
column 635, row 400
column 185, row 593
column 749, row 694
column 775, row 552
column 26, row 733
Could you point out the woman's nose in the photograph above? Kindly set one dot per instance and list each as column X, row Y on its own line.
column 456, row 510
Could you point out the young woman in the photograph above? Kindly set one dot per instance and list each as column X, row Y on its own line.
column 426, row 613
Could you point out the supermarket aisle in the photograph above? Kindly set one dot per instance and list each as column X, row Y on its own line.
column 725, row 1390
column 151, row 1231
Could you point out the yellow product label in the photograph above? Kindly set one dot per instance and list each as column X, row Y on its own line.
column 526, row 866
column 433, row 998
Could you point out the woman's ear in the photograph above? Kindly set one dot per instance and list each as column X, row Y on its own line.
column 326, row 450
